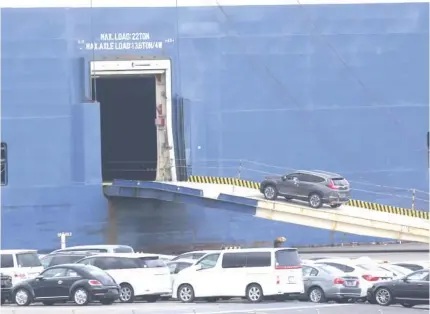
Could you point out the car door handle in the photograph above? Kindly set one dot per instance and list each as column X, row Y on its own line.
column 60, row 282
column 419, row 284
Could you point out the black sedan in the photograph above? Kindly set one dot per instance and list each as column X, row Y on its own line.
column 408, row 291
column 69, row 282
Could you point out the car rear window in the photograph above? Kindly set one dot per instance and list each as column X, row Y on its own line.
column 151, row 262
column 6, row 261
column 339, row 181
column 288, row 258
column 28, row 260
column 330, row 269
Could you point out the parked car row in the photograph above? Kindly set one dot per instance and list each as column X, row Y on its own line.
column 100, row 273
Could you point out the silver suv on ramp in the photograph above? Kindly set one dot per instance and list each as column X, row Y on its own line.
column 316, row 187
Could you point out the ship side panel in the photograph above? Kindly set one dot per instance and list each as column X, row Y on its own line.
column 342, row 88
column 248, row 80
column 53, row 139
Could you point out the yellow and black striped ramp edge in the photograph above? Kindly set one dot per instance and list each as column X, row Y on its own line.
column 229, row 181
column 356, row 203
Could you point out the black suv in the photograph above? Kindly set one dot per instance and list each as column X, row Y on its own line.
column 59, row 258
column 316, row 187
column 6, row 285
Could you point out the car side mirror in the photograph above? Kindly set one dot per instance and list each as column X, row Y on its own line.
column 284, row 178
column 40, row 277
column 405, row 279
column 198, row 267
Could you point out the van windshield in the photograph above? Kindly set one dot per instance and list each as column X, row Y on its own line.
column 287, row 259
column 28, row 260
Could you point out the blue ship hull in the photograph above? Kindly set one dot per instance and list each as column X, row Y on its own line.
column 265, row 89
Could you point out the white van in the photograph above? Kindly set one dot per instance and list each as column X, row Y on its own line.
column 249, row 273
column 105, row 248
column 20, row 264
column 139, row 275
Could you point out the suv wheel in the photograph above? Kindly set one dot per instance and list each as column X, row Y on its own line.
column 315, row 200
column 270, row 192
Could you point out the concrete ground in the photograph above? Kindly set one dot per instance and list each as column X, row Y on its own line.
column 226, row 307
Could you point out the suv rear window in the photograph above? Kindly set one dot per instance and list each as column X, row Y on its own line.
column 288, row 258
column 339, row 182
column 6, row 261
column 28, row 260
column 151, row 262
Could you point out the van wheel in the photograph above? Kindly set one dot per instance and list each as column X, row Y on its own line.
column 270, row 192
column 186, row 293
column 126, row 293
column 315, row 200
column 254, row 293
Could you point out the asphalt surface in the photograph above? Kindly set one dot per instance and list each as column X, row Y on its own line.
column 226, row 307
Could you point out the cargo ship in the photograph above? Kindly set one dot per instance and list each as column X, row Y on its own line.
column 99, row 90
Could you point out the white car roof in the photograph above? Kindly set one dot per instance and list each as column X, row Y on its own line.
column 129, row 255
column 17, row 251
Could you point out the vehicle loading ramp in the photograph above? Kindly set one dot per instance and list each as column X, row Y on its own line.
column 248, row 201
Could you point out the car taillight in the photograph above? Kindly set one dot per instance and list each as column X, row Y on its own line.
column 370, row 278
column 288, row 267
column 94, row 282
column 332, row 186
column 339, row 281
column 277, row 280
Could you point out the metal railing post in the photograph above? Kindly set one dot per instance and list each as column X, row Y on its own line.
column 413, row 198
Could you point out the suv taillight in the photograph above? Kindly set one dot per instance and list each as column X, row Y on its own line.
column 332, row 186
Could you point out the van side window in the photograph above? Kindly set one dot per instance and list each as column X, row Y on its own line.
column 234, row 260
column 208, row 261
column 258, row 259
column 6, row 261
column 128, row 263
